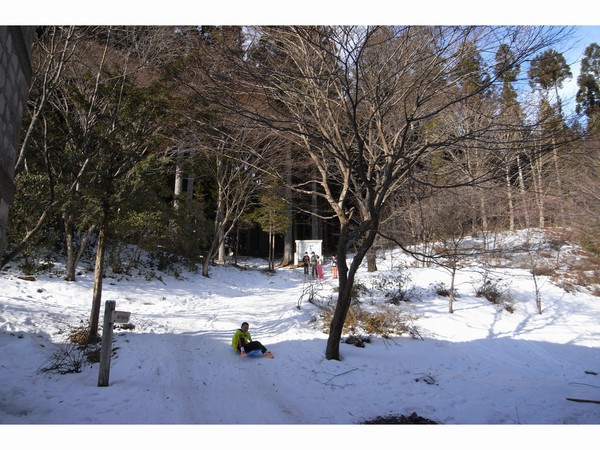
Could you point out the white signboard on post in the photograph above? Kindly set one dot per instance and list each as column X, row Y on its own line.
column 311, row 245
column 121, row 316
column 111, row 316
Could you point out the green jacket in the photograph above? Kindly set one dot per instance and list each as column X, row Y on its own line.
column 240, row 334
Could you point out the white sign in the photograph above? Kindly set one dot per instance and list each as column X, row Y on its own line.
column 121, row 316
column 313, row 245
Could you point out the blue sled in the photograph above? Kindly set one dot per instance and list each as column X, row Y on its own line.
column 256, row 352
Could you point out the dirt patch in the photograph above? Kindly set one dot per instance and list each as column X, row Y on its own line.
column 413, row 419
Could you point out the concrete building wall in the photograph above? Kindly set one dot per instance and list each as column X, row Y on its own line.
column 15, row 80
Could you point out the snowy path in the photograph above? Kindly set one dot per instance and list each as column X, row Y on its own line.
column 476, row 366
column 187, row 369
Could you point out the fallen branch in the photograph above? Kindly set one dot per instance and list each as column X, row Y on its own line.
column 340, row 374
column 585, row 384
column 583, row 400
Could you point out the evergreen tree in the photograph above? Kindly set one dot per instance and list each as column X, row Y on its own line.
column 272, row 214
column 549, row 71
column 588, row 95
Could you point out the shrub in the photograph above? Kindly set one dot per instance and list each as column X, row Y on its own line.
column 543, row 270
column 311, row 294
column 73, row 355
column 490, row 291
column 358, row 289
column 395, row 289
column 385, row 321
column 496, row 292
column 442, row 290
column 31, row 265
column 582, row 273
column 27, row 267
column 71, row 358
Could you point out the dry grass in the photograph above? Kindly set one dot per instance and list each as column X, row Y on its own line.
column 385, row 321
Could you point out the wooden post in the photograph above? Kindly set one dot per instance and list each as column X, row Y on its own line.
column 106, row 350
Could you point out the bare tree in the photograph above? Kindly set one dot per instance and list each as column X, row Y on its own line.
column 450, row 225
column 370, row 106
column 51, row 52
column 583, row 186
column 223, row 154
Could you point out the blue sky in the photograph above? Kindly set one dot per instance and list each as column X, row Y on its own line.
column 584, row 36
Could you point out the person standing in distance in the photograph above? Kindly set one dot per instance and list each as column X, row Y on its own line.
column 306, row 262
column 313, row 264
column 334, row 268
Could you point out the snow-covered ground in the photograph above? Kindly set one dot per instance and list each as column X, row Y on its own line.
column 479, row 365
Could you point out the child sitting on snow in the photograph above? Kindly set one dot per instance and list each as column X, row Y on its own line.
column 242, row 342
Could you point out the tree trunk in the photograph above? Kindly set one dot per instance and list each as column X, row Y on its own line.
column 484, row 221
column 509, row 198
column 83, row 245
column 346, row 281
column 221, row 251
column 190, row 188
column 73, row 256
column 271, row 250
column 451, row 301
column 178, row 181
column 288, row 240
column 209, row 256
column 539, row 186
column 237, row 245
column 219, row 225
column 212, row 251
column 536, row 167
column 70, row 266
column 372, row 260
column 97, row 295
column 332, row 350
column 288, row 248
column 560, row 194
column 314, row 220
column 522, row 190
column 538, row 295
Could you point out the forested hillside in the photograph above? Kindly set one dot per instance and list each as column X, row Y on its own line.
column 199, row 144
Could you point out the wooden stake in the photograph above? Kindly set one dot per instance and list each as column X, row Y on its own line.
column 106, row 350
